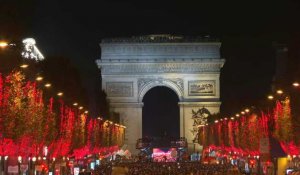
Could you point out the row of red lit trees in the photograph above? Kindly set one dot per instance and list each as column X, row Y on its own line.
column 243, row 134
column 31, row 125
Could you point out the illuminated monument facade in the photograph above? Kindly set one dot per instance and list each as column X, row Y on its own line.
column 189, row 66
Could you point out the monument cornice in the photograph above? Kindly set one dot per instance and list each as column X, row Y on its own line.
column 160, row 50
column 160, row 38
column 160, row 44
column 162, row 60
column 154, row 68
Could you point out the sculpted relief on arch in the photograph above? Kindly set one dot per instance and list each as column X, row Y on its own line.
column 145, row 84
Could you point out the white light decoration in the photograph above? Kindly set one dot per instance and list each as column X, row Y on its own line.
column 30, row 51
column 45, row 150
column 6, row 157
column 20, row 159
column 34, row 159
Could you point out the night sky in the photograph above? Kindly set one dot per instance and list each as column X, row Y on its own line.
column 247, row 29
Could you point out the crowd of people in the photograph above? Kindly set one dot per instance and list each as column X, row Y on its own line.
column 164, row 168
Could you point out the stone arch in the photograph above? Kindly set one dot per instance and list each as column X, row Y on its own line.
column 166, row 83
column 130, row 67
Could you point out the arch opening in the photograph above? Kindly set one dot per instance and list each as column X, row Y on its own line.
column 161, row 113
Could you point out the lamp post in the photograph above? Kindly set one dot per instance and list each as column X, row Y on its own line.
column 33, row 163
column 19, row 164
column 258, row 165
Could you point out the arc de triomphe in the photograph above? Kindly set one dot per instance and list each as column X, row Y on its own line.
column 132, row 66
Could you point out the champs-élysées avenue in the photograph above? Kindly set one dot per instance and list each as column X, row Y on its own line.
column 149, row 87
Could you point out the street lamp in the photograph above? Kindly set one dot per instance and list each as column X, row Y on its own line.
column 296, row 84
column 279, row 91
column 47, row 85
column 39, row 78
column 24, row 66
column 3, row 44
